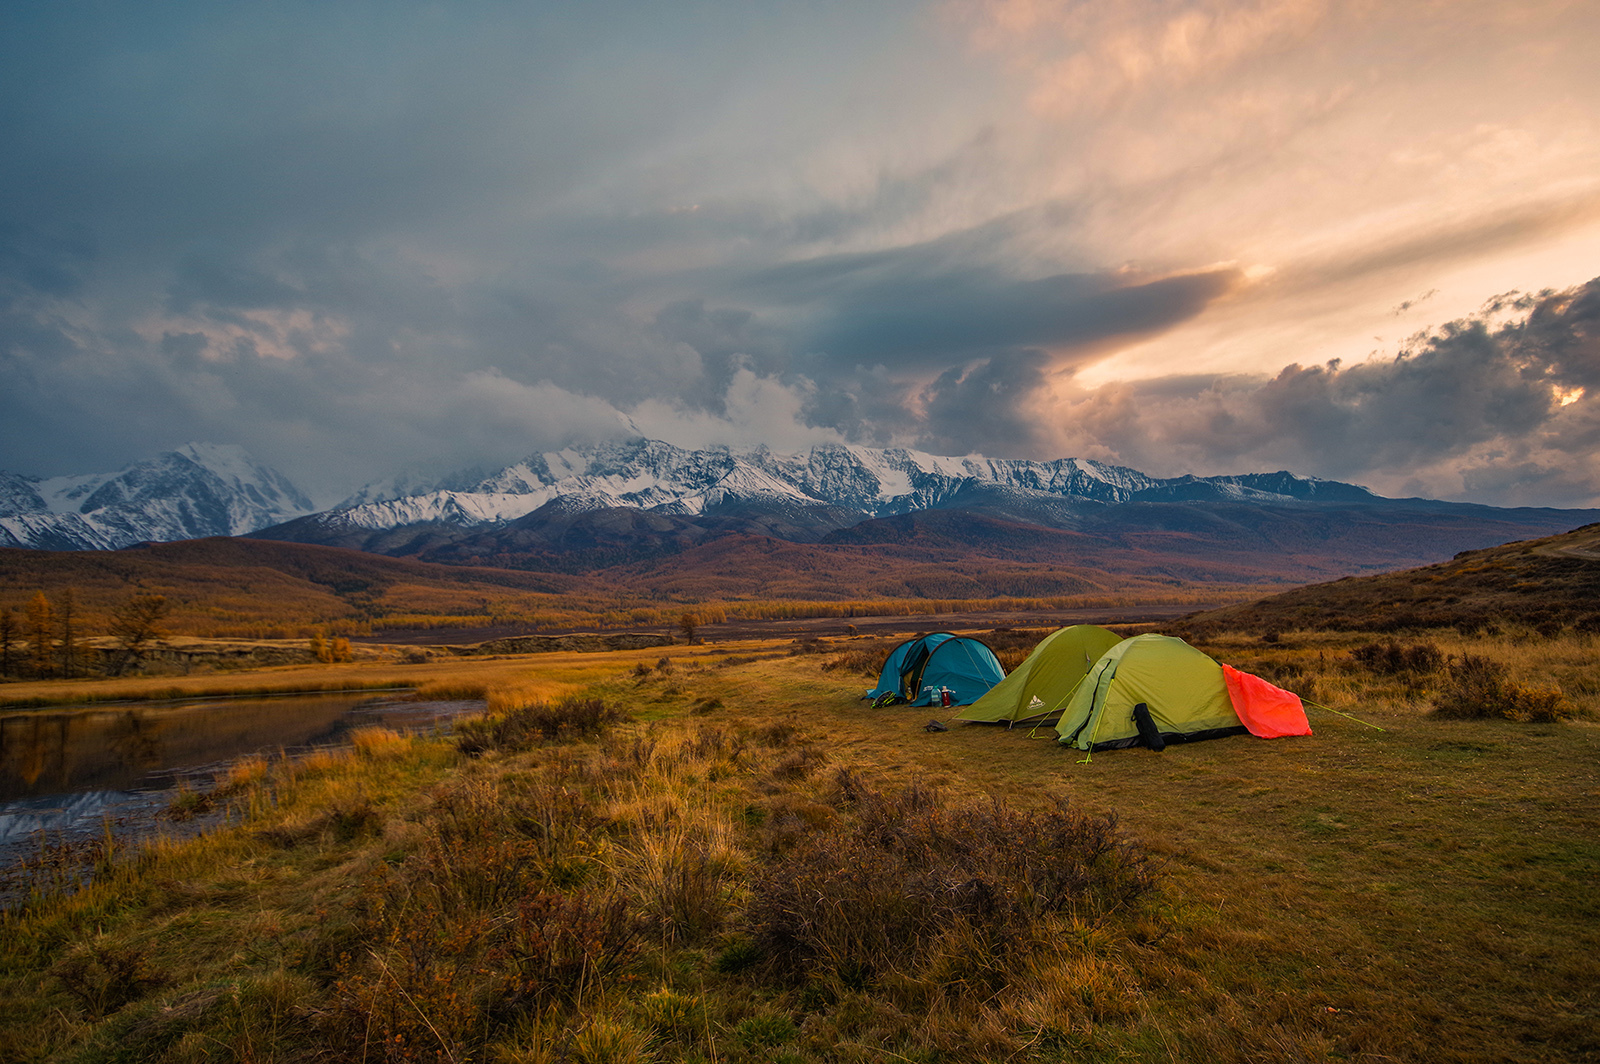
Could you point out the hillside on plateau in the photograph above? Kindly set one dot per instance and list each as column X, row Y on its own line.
column 1552, row 582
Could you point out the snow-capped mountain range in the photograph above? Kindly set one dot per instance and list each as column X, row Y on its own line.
column 198, row 490
column 658, row 477
column 637, row 498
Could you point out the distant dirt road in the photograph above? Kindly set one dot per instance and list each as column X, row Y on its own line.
column 1587, row 548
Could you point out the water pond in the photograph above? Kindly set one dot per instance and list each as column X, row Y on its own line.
column 67, row 773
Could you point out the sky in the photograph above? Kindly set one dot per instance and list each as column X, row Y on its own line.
column 1356, row 240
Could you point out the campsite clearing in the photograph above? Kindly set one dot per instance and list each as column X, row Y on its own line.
column 1422, row 893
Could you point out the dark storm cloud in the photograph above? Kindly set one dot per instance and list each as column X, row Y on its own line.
column 929, row 307
column 1513, row 410
column 988, row 407
column 308, row 228
column 363, row 238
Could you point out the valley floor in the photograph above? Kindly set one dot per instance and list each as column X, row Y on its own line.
column 1425, row 892
column 736, row 630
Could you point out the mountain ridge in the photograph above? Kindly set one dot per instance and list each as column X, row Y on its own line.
column 638, row 502
column 198, row 490
column 652, row 475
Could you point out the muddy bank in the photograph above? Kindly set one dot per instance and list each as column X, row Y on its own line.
column 79, row 783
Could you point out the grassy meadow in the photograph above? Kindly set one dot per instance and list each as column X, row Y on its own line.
column 723, row 855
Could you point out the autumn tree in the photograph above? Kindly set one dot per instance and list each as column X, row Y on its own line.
column 135, row 625
column 41, row 631
column 688, row 624
column 66, row 627
column 9, row 626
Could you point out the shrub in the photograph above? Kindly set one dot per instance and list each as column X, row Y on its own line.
column 881, row 894
column 1392, row 658
column 103, row 978
column 526, row 726
column 1480, row 688
column 867, row 661
column 476, row 973
column 683, row 884
column 559, row 945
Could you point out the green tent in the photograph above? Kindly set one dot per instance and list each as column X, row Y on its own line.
column 1157, row 689
column 1035, row 690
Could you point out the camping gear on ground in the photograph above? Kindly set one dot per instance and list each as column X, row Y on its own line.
column 1035, row 690
column 1157, row 689
column 917, row 669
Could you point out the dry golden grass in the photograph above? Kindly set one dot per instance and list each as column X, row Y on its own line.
column 539, row 675
column 1422, row 893
column 256, row 589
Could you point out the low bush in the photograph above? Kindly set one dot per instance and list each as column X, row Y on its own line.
column 1480, row 688
column 526, row 726
column 866, row 661
column 1393, row 658
column 560, row 945
column 103, row 978
column 910, row 873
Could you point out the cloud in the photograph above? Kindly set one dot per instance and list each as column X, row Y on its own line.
column 357, row 240
column 753, row 410
column 919, row 307
column 1115, row 50
column 995, row 406
column 1505, row 413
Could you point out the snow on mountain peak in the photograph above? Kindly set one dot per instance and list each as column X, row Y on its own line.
column 652, row 475
column 200, row 489
column 204, row 489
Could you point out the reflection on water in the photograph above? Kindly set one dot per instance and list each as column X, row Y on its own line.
column 70, row 769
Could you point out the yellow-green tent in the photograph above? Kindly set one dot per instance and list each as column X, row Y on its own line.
column 1035, row 690
column 1157, row 689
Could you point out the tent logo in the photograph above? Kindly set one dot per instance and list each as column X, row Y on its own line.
column 1036, row 703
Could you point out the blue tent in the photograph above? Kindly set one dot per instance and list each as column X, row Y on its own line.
column 917, row 669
